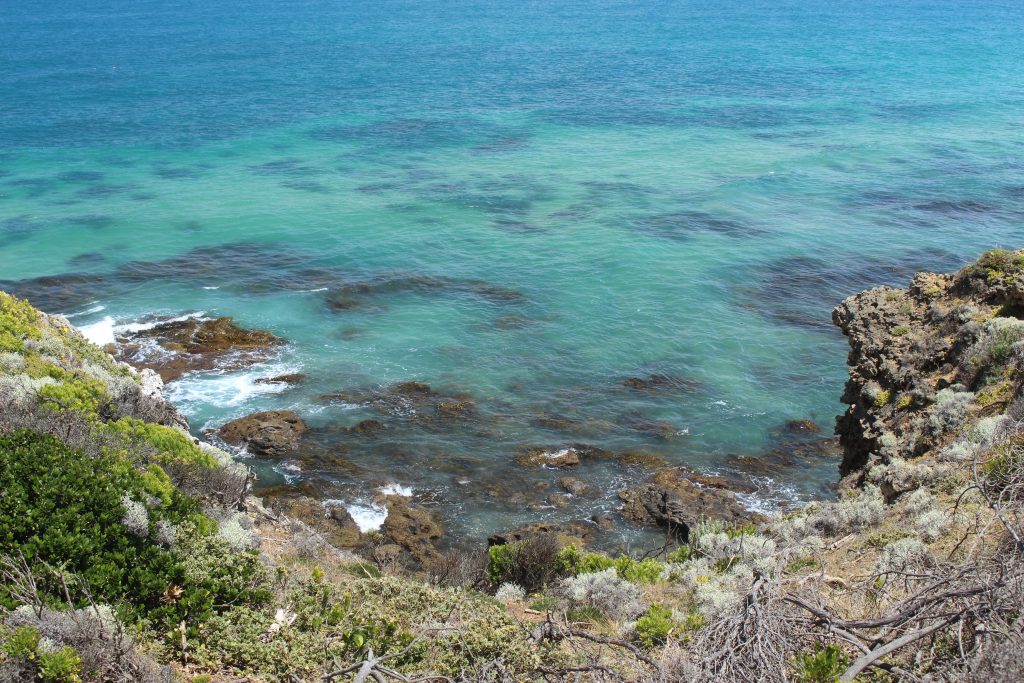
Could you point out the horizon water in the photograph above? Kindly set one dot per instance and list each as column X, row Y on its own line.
column 544, row 199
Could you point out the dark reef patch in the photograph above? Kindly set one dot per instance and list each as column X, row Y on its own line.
column 93, row 221
column 360, row 294
column 681, row 225
column 306, row 186
column 81, row 176
column 105, row 190
column 90, row 258
column 285, row 167
column 57, row 293
column 176, row 172
column 18, row 228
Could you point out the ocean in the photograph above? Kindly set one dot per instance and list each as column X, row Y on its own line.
column 529, row 203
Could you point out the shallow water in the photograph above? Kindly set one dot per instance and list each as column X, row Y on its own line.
column 523, row 203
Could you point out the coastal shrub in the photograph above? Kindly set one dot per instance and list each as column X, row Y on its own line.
column 171, row 446
column 882, row 398
column 862, row 509
column 606, row 592
column 654, row 627
column 571, row 560
column 95, row 519
column 726, row 545
column 823, row 664
column 903, row 554
column 531, row 563
column 18, row 321
column 949, row 410
column 510, row 592
column 84, row 395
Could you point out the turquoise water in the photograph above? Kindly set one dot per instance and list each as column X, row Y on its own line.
column 600, row 190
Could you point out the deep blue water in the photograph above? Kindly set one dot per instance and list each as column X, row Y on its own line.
column 603, row 190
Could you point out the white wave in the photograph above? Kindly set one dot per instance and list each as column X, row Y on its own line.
column 211, row 287
column 101, row 332
column 94, row 309
column 289, row 470
column 368, row 517
column 394, row 489
column 224, row 389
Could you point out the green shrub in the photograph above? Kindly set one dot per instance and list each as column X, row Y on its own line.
column 823, row 665
column 531, row 563
column 654, row 627
column 680, row 555
column 60, row 666
column 572, row 561
column 84, row 395
column 22, row 643
column 882, row 398
column 18, row 321
column 900, row 331
column 173, row 446
column 67, row 509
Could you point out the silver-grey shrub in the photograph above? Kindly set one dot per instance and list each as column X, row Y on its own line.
column 606, row 592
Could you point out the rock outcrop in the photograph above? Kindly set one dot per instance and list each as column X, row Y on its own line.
column 274, row 433
column 922, row 358
column 677, row 498
column 192, row 344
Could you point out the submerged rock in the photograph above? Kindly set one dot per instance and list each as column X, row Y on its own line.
column 274, row 433
column 662, row 382
column 576, row 487
column 191, row 344
column 292, row 378
column 367, row 427
column 558, row 457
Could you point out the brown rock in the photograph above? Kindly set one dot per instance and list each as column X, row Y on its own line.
column 801, row 427
column 576, row 487
column 566, row 533
column 544, row 457
column 559, row 500
column 196, row 344
column 275, row 433
column 454, row 408
column 367, row 427
column 412, row 527
column 674, row 500
column 292, row 378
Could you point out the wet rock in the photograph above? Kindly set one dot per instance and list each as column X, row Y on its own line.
column 452, row 408
column 801, row 427
column 555, row 422
column 565, row 533
column 677, row 498
column 660, row 429
column 367, row 427
column 558, row 457
column 640, row 459
column 334, row 523
column 412, row 527
column 576, row 487
column 292, row 378
column 176, row 347
column 558, row 500
column 274, row 433
column 603, row 522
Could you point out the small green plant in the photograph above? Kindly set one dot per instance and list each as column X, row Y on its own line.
column 904, row 402
column 882, row 398
column 60, row 666
column 900, row 331
column 22, row 643
column 571, row 560
column 822, row 665
column 173, row 446
column 680, row 555
column 654, row 627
